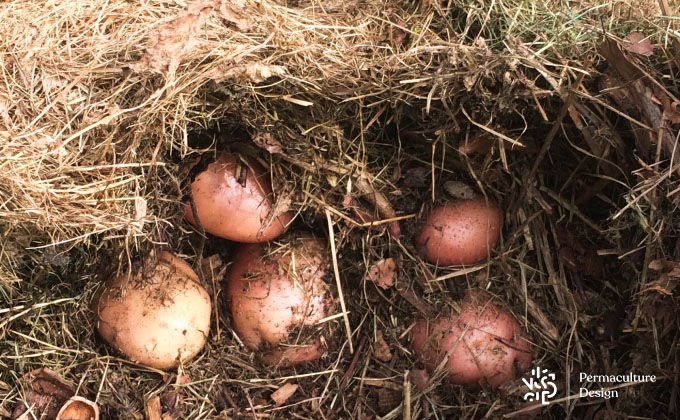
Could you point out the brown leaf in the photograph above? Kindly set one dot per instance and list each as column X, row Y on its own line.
column 211, row 263
column 611, row 51
column 383, row 273
column 184, row 379
column 281, row 206
column 255, row 72
column 638, row 44
column 670, row 111
column 388, row 399
column 399, row 35
column 238, row 13
column 109, row 115
column 661, row 265
column 281, row 395
column 417, row 177
column 347, row 200
column 47, row 393
column 419, row 377
column 267, row 142
column 476, row 144
column 380, row 348
column 171, row 402
column 166, row 48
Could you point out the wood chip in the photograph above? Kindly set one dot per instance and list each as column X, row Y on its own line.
column 152, row 408
column 281, row 395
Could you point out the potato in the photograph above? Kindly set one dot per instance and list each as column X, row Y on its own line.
column 460, row 232
column 157, row 321
column 272, row 294
column 233, row 200
column 486, row 343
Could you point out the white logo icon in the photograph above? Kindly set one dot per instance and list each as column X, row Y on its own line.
column 540, row 388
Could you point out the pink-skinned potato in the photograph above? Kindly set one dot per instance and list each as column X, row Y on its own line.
column 486, row 343
column 275, row 293
column 460, row 232
column 157, row 320
column 233, row 199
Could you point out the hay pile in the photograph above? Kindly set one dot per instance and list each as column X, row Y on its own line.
column 103, row 104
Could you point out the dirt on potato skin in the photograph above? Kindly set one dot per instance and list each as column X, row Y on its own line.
column 289, row 280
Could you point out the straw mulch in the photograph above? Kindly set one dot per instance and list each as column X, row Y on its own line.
column 565, row 113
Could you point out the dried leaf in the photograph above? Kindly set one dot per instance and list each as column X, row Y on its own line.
column 281, row 395
column 670, row 111
column 47, row 393
column 140, row 213
column 459, row 190
column 166, row 48
column 638, row 44
column 267, row 142
column 383, row 273
column 347, row 201
column 107, row 116
column 255, row 72
column 661, row 265
column 419, row 378
column 186, row 379
column 211, row 263
column 238, row 13
column 388, row 399
column 417, row 177
column 611, row 51
column 399, row 35
column 281, row 206
column 380, row 348
column 477, row 144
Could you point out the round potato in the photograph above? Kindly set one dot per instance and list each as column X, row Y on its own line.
column 484, row 344
column 233, row 199
column 158, row 320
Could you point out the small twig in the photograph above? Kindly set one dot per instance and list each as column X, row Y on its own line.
column 250, row 403
column 194, row 211
column 416, row 302
column 572, row 208
column 407, row 397
column 227, row 396
column 214, row 287
column 336, row 271
column 353, row 363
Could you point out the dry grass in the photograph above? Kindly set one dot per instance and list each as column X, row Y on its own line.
column 101, row 104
